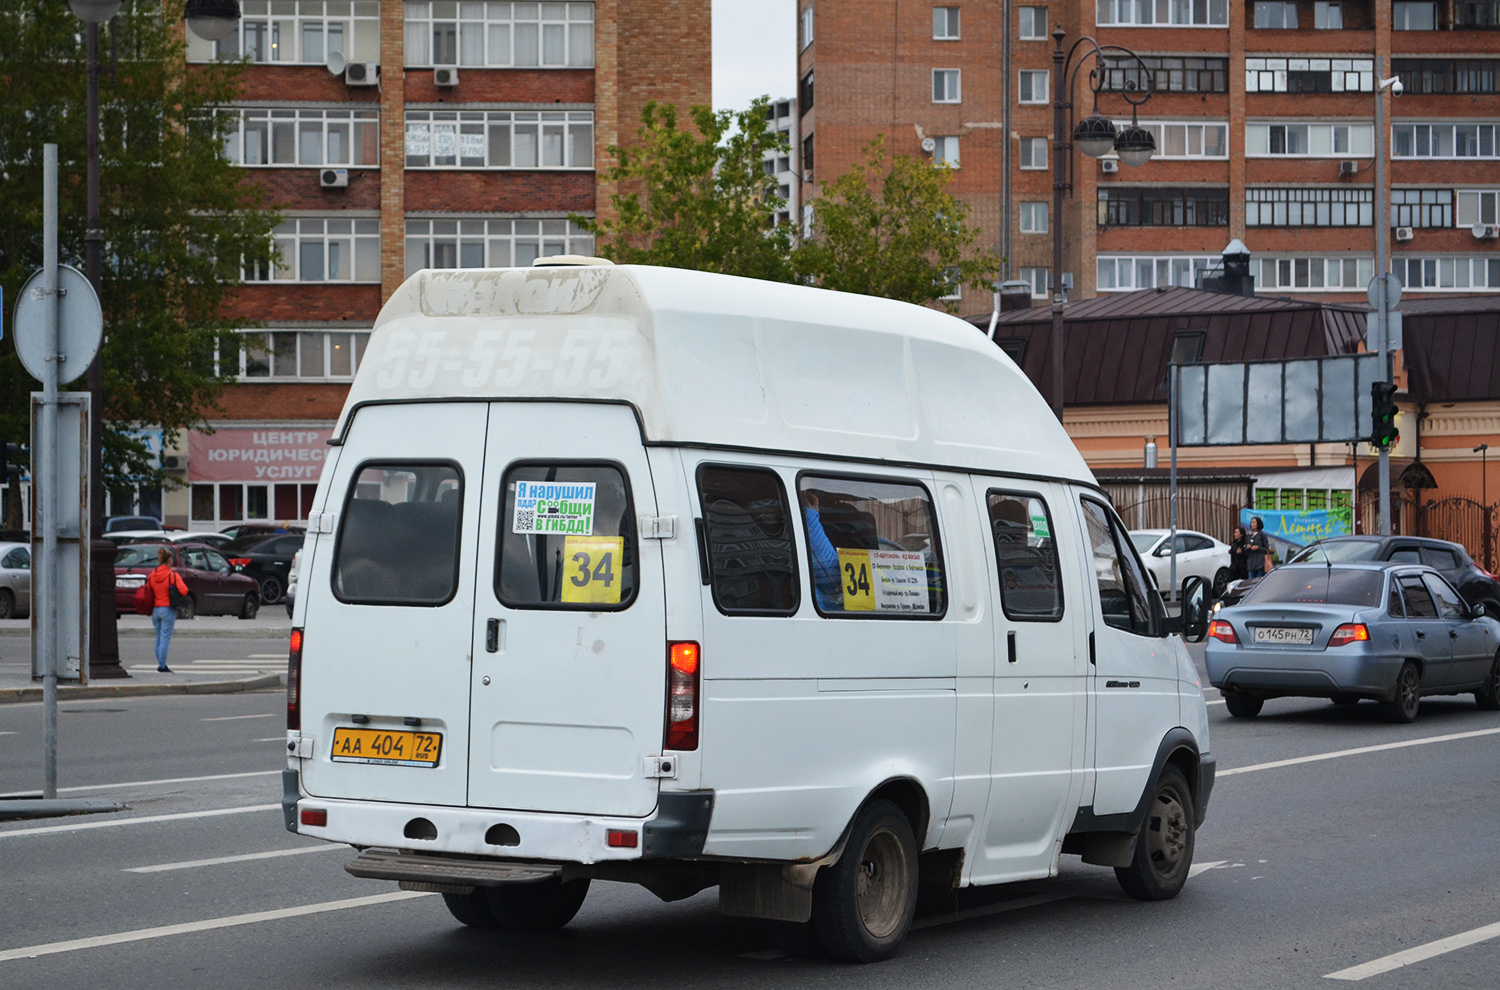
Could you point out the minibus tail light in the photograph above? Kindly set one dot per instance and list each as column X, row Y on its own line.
column 294, row 682
column 1223, row 632
column 1349, row 632
column 682, row 696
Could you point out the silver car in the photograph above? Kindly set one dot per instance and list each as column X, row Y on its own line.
column 15, row 580
column 1387, row 631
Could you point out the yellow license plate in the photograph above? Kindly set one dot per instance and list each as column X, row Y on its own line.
column 386, row 747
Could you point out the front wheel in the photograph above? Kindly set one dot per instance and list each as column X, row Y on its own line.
column 1164, row 847
column 1243, row 705
column 1407, row 695
column 1488, row 697
column 542, row 906
column 863, row 904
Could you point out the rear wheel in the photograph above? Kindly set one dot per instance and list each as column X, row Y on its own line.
column 863, row 904
column 543, row 906
column 1164, row 848
column 250, row 607
column 1407, row 696
column 471, row 909
column 1488, row 697
column 187, row 608
column 271, row 590
column 1243, row 705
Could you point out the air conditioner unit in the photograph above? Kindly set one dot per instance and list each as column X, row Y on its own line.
column 1485, row 231
column 1348, row 168
column 362, row 74
column 1109, row 166
column 174, row 462
column 929, row 144
column 1404, row 233
column 334, row 178
column 445, row 77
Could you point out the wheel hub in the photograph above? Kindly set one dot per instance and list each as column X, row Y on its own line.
column 880, row 889
column 1168, row 834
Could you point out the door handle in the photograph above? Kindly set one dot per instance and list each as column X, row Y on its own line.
column 492, row 636
column 1452, row 633
column 1421, row 634
column 1010, row 645
column 1093, row 657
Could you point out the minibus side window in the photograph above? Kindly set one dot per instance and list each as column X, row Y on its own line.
column 399, row 535
column 1026, row 552
column 1122, row 585
column 566, row 537
column 751, row 561
column 872, row 548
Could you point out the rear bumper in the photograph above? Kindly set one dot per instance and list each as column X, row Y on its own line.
column 1313, row 673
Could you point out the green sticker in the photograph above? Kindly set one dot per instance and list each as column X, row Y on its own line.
column 1039, row 526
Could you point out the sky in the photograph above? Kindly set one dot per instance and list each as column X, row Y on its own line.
column 755, row 51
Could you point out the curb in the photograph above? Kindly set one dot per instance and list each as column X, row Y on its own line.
column 11, row 696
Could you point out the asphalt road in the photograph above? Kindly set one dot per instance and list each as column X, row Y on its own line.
column 1306, row 869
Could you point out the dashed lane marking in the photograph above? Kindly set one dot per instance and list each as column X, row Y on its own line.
column 1198, row 868
column 1415, row 955
column 236, row 718
column 115, row 822
column 1360, row 751
column 243, row 858
column 154, row 783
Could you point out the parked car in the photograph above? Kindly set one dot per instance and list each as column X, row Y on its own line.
column 261, row 529
column 120, row 537
column 15, row 580
column 215, row 540
column 1393, row 632
column 266, row 559
column 1197, row 554
column 1451, row 560
column 213, row 586
column 116, row 524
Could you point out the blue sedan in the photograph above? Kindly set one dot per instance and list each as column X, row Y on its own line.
column 1385, row 631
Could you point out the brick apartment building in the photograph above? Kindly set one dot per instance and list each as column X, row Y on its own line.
column 453, row 134
column 1263, row 114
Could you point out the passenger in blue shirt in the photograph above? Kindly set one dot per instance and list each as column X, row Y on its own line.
column 827, row 585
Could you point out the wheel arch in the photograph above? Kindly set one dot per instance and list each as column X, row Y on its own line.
column 907, row 794
column 1178, row 747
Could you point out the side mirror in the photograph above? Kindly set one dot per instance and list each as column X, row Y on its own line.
column 1479, row 611
column 1194, row 599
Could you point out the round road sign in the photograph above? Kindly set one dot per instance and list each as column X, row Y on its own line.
column 80, row 325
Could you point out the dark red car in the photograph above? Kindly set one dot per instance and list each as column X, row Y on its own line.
column 213, row 587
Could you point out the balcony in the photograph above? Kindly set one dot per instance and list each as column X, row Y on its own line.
column 1152, row 206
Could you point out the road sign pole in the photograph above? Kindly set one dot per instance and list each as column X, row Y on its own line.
column 47, row 614
column 1382, row 274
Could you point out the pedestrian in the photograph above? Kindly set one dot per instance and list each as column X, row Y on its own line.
column 1257, row 549
column 1239, row 568
column 164, row 614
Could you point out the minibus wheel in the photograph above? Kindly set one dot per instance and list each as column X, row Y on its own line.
column 472, row 909
column 863, row 904
column 539, row 906
column 1164, row 847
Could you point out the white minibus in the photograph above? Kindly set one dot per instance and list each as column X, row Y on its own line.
column 692, row 581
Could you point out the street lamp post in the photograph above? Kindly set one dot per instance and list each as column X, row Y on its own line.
column 1095, row 136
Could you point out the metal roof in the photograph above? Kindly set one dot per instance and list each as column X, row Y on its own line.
column 1452, row 348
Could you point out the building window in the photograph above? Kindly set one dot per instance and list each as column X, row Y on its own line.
column 1154, row 206
column 1276, row 14
column 500, row 35
column 499, row 139
column 490, row 243
column 1425, row 208
column 1127, row 274
column 1301, row 207
column 297, row 32
column 1033, row 26
column 1168, row 74
column 1328, row 16
column 807, row 158
column 1184, row 140
column 945, row 85
column 230, row 502
column 1033, row 153
column 1447, row 75
column 1034, row 218
column 954, row 289
column 805, row 26
column 1264, row 140
column 1309, row 75
column 945, row 24
column 1040, row 283
column 1477, row 206
column 1481, row 14
column 805, row 93
column 1482, row 272
column 1443, row 141
column 1033, row 88
column 320, row 355
column 1178, row 13
column 1319, row 274
column 1408, row 16
column 945, row 151
column 319, row 249
column 290, row 137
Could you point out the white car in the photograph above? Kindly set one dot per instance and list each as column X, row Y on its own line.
column 1198, row 554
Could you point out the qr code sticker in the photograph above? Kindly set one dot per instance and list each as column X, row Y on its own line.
column 525, row 520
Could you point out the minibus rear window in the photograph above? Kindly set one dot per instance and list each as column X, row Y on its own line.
column 1026, row 551
column 751, row 561
column 872, row 548
column 566, row 538
column 399, row 535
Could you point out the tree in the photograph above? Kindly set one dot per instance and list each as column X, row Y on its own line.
column 701, row 201
column 894, row 232
column 178, row 218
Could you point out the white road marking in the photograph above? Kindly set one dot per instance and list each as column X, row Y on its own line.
column 208, row 924
column 82, row 826
column 271, row 739
column 244, row 858
column 1451, row 737
column 1422, row 952
column 1198, row 868
column 267, row 656
column 154, row 783
column 7, row 733
column 236, row 718
column 1219, row 702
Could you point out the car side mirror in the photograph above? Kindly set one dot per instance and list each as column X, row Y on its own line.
column 1479, row 611
column 1194, row 614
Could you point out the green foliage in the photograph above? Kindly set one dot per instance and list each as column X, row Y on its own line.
column 701, row 201
column 894, row 231
column 176, row 216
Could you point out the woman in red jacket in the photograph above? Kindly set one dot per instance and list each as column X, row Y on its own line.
column 163, row 615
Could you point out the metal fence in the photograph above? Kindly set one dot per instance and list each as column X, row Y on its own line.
column 1215, row 517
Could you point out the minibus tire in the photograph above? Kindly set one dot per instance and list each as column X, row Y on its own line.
column 540, row 906
column 472, row 909
column 1164, row 847
column 880, row 857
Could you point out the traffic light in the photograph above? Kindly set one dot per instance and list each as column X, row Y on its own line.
column 1383, row 432
column 12, row 462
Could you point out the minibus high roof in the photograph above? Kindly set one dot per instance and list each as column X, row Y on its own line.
column 716, row 360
